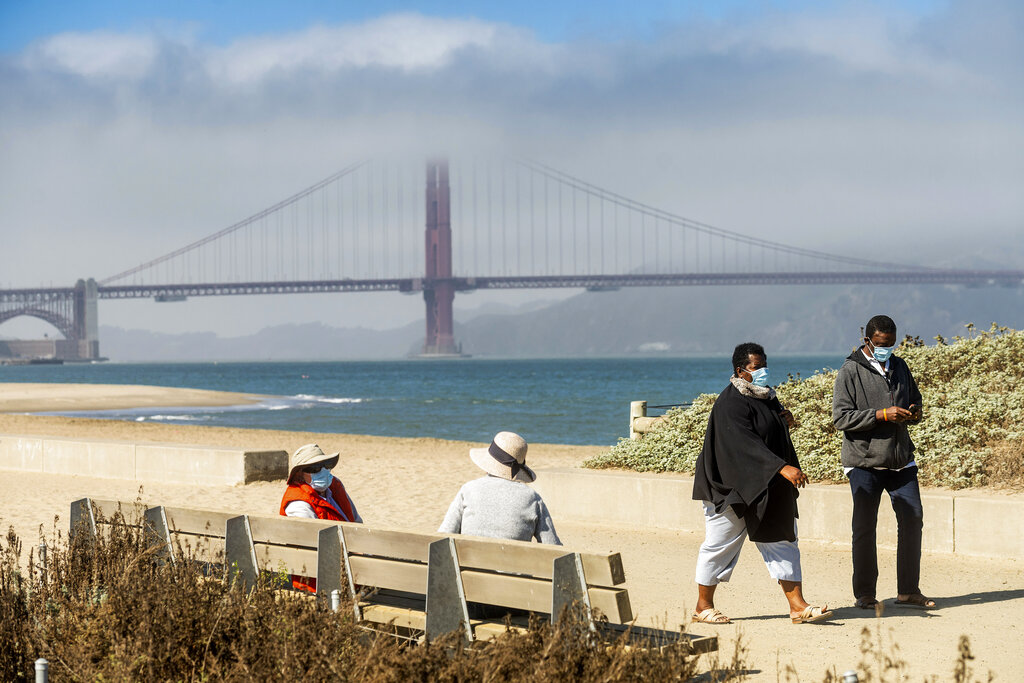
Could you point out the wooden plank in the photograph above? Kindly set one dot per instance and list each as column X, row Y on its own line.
column 524, row 592
column 515, row 557
column 489, row 630
column 280, row 530
column 131, row 511
column 400, row 616
column 535, row 559
column 393, row 543
column 506, row 590
column 278, row 558
column 197, row 521
column 377, row 572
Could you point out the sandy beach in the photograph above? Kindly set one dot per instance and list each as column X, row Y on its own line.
column 39, row 398
column 409, row 483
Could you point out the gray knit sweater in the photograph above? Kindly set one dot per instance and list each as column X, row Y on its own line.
column 499, row 508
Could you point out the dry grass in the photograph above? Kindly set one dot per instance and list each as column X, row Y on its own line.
column 1004, row 467
column 105, row 610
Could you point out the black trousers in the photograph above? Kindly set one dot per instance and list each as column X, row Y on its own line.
column 867, row 486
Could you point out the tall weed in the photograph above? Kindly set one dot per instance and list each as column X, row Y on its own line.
column 108, row 609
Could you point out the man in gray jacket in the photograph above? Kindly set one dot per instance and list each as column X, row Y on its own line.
column 875, row 399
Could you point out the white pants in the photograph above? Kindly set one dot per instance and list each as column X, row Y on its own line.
column 723, row 538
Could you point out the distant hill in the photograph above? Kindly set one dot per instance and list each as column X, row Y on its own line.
column 694, row 320
column 310, row 341
column 661, row 320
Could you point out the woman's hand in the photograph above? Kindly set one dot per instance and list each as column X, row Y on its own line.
column 795, row 476
column 788, row 417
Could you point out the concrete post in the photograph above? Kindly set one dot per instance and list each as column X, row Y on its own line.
column 636, row 409
column 42, row 670
column 42, row 558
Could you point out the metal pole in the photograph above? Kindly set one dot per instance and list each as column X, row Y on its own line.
column 42, row 670
column 335, row 600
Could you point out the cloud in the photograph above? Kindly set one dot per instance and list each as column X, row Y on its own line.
column 811, row 126
column 101, row 55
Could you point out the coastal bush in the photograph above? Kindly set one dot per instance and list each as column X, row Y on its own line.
column 972, row 434
column 105, row 609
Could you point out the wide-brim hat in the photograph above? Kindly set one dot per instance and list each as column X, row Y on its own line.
column 311, row 454
column 505, row 458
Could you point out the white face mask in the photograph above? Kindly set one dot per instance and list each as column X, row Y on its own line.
column 759, row 377
column 321, row 480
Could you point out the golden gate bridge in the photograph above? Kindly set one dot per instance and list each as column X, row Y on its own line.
column 518, row 223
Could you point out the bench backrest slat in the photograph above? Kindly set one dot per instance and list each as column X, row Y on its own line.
column 517, row 557
column 131, row 511
column 193, row 521
column 278, row 530
column 506, row 590
column 290, row 560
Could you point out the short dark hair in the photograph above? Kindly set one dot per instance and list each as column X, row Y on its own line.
column 742, row 353
column 880, row 323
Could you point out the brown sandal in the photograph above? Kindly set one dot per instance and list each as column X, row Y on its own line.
column 916, row 600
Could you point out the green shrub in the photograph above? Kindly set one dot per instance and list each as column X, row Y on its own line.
column 973, row 396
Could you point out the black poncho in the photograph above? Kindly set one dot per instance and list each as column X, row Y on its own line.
column 745, row 447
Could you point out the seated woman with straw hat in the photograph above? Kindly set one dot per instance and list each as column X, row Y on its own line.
column 313, row 492
column 501, row 505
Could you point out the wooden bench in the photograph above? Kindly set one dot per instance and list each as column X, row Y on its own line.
column 416, row 585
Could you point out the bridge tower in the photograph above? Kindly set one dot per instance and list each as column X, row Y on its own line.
column 85, row 320
column 438, row 287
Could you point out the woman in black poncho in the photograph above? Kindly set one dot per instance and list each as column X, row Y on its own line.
column 747, row 477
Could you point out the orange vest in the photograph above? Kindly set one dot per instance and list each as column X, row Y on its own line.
column 323, row 510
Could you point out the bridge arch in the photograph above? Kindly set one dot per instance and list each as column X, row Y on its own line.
column 64, row 325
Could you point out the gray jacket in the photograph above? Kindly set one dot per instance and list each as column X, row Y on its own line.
column 861, row 390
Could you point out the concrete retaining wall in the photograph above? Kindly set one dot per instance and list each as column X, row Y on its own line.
column 174, row 463
column 969, row 524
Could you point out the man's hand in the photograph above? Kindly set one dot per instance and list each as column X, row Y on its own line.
column 893, row 414
column 788, row 417
column 795, row 476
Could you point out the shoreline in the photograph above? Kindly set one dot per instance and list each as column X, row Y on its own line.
column 53, row 398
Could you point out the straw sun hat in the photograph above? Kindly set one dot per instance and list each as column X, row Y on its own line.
column 310, row 454
column 505, row 458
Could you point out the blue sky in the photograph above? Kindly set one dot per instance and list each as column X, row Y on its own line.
column 221, row 21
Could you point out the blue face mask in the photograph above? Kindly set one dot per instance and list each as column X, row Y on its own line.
column 321, row 480
column 759, row 377
column 882, row 353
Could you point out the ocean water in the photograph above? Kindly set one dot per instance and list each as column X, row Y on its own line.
column 570, row 401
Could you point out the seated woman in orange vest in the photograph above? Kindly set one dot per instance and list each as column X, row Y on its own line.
column 315, row 493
